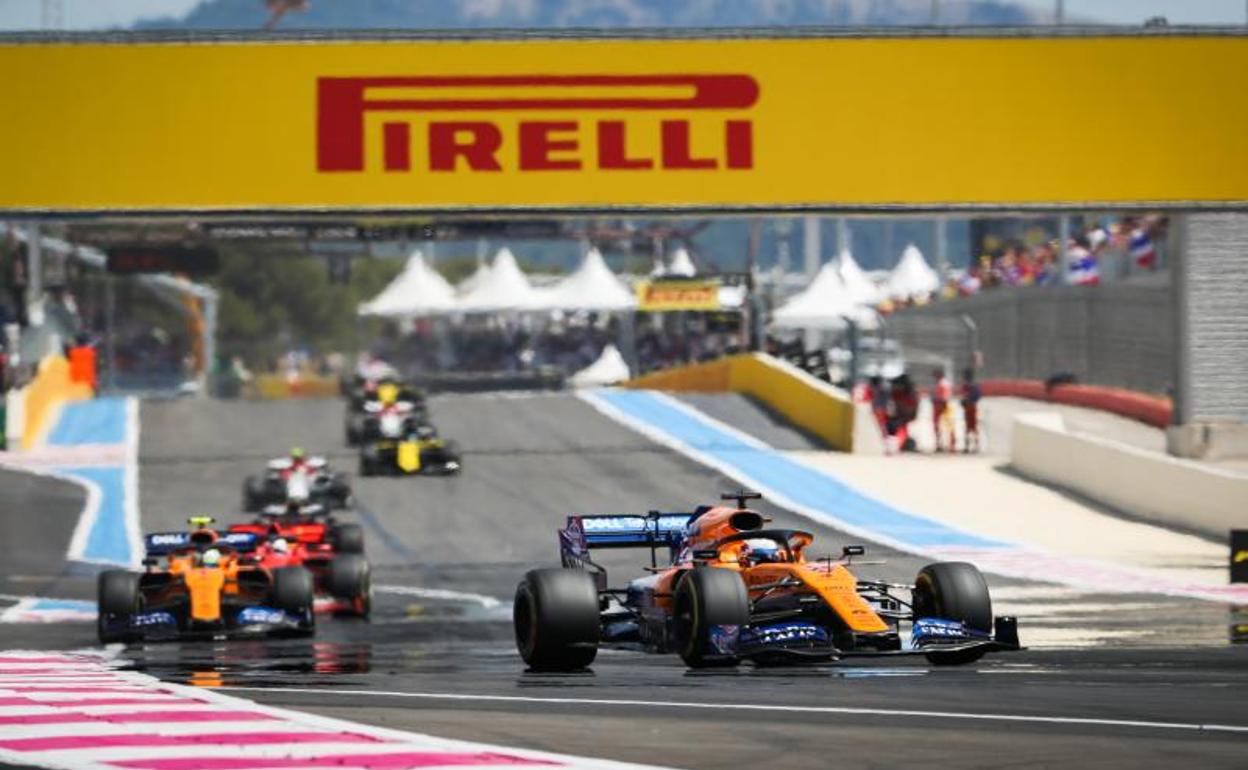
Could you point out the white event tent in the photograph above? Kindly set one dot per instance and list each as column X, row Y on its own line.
column 824, row 304
column 592, row 286
column 682, row 265
column 860, row 289
column 503, row 288
column 417, row 291
column 473, row 281
column 609, row 369
column 912, row 277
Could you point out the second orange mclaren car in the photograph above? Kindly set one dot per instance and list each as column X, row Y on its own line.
column 735, row 590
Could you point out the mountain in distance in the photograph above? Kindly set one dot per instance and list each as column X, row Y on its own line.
column 536, row 14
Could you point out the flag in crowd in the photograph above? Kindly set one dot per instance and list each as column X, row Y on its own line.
column 1083, row 268
column 1142, row 249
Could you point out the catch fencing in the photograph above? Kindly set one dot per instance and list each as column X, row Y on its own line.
column 1120, row 335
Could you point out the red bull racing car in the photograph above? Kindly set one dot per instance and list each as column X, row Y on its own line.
column 734, row 589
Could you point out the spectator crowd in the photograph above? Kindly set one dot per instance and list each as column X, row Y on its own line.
column 1129, row 243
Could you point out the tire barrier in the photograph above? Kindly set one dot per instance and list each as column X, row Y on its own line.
column 1151, row 410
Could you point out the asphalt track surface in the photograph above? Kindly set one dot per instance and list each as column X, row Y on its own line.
column 438, row 655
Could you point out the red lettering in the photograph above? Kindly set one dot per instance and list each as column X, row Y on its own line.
column 739, row 144
column 397, row 143
column 613, row 147
column 676, row 151
column 536, row 146
column 476, row 143
column 343, row 103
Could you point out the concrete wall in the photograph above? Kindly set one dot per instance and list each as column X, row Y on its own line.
column 1152, row 486
column 1213, row 330
column 809, row 403
column 1118, row 334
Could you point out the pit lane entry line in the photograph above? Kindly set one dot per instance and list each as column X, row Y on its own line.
column 775, row 708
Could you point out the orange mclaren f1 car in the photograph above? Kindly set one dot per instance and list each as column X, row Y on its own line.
column 203, row 583
column 735, row 590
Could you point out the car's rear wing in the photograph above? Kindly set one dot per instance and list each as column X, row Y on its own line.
column 653, row 531
column 163, row 543
column 626, row 530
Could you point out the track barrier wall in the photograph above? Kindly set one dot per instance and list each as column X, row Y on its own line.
column 50, row 388
column 808, row 403
column 1150, row 485
column 276, row 387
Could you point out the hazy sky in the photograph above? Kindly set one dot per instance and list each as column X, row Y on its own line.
column 95, row 14
column 1136, row 11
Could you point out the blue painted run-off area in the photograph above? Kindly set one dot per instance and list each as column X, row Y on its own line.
column 94, row 421
column 107, row 540
column 100, row 421
column 62, row 605
column 815, row 490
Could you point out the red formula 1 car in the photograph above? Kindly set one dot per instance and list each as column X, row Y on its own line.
column 307, row 535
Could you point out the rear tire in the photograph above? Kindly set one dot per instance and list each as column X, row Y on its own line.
column 347, row 538
column 954, row 590
column 556, row 619
column 350, row 578
column 117, row 592
column 253, row 494
column 707, row 597
column 340, row 490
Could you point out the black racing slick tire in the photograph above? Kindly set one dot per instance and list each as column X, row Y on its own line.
column 292, row 593
column 556, row 619
column 347, row 538
column 954, row 590
column 340, row 490
column 118, row 600
column 350, row 578
column 708, row 598
column 253, row 494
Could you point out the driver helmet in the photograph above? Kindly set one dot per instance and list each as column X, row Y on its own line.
column 296, row 453
column 211, row 558
column 281, row 546
column 759, row 551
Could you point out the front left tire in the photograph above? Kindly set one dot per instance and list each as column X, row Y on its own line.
column 117, row 595
column 711, row 606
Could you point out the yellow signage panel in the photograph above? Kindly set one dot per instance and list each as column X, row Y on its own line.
column 565, row 124
column 659, row 296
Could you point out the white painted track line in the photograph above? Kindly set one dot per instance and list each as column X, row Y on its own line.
column 780, row 708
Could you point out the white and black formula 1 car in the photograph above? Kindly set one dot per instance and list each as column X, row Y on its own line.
column 298, row 478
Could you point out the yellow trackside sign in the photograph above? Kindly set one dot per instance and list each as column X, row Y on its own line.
column 659, row 296
column 422, row 124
